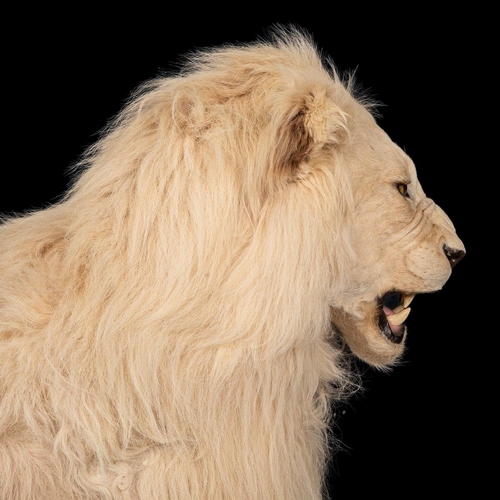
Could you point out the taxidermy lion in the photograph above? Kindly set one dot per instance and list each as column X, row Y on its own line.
column 179, row 325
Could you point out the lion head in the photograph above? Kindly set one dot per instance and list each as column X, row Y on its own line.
column 403, row 242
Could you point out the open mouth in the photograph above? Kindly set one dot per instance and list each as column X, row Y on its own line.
column 394, row 310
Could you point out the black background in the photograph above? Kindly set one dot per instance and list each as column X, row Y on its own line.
column 425, row 429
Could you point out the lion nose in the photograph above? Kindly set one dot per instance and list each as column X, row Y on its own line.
column 453, row 255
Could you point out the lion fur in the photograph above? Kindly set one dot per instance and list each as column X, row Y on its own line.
column 165, row 329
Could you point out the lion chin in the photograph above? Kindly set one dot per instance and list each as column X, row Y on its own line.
column 378, row 337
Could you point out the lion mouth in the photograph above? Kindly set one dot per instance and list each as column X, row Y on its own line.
column 394, row 310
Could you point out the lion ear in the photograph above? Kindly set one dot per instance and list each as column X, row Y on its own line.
column 316, row 122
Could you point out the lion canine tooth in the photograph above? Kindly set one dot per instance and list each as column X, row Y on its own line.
column 407, row 300
column 399, row 318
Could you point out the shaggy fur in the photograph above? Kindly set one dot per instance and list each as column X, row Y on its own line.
column 174, row 328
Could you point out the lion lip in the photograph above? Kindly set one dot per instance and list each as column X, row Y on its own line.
column 394, row 312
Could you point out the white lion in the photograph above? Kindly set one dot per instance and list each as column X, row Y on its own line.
column 178, row 326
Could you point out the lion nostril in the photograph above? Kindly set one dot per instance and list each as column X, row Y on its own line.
column 453, row 255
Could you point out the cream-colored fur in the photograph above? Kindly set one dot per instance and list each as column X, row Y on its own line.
column 175, row 328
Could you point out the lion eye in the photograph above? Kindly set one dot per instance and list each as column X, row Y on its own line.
column 403, row 188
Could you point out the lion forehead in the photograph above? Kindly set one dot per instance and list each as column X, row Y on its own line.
column 374, row 159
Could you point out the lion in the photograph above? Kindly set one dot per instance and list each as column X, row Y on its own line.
column 182, row 322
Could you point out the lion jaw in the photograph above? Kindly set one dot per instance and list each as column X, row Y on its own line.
column 367, row 337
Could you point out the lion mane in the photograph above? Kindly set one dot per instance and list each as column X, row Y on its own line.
column 180, row 324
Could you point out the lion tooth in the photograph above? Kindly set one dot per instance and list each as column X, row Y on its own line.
column 398, row 309
column 399, row 318
column 407, row 300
